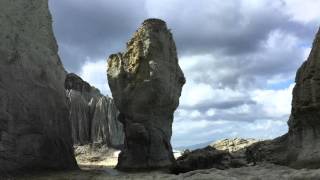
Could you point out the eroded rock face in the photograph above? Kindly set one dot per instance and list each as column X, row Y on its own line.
column 304, row 122
column 93, row 116
column 34, row 127
column 300, row 146
column 146, row 83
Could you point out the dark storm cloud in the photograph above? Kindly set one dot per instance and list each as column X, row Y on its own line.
column 234, row 27
column 93, row 29
column 235, row 33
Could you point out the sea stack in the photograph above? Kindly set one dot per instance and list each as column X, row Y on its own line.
column 146, row 82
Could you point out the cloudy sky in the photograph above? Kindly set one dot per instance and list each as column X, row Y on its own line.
column 239, row 56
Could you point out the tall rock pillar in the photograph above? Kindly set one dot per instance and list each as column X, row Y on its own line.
column 146, row 83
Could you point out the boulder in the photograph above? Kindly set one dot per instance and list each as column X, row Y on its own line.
column 146, row 83
column 222, row 154
column 93, row 116
column 205, row 158
column 34, row 128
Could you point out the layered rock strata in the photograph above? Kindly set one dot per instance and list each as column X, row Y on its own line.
column 93, row 116
column 34, row 128
column 146, row 83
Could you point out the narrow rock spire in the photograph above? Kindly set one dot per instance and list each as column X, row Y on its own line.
column 146, row 83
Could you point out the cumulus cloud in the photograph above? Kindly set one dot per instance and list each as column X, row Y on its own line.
column 265, row 118
column 306, row 11
column 274, row 103
column 95, row 73
column 195, row 132
column 239, row 56
column 233, row 27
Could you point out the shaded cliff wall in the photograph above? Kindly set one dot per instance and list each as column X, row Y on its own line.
column 34, row 127
column 300, row 147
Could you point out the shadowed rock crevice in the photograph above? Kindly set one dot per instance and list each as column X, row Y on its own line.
column 146, row 83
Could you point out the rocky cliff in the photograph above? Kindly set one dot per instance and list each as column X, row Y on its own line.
column 300, row 147
column 34, row 127
column 304, row 122
column 93, row 116
column 146, row 83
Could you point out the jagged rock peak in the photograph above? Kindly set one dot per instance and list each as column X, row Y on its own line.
column 74, row 82
column 154, row 24
column 146, row 83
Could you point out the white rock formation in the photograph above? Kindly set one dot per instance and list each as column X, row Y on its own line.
column 93, row 116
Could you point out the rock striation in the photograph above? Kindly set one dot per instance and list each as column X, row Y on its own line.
column 146, row 83
column 34, row 127
column 300, row 147
column 93, row 116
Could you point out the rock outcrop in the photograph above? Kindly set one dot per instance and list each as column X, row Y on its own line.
column 304, row 122
column 300, row 147
column 96, row 155
column 233, row 145
column 93, row 116
column 146, row 83
column 223, row 154
column 204, row 158
column 34, row 127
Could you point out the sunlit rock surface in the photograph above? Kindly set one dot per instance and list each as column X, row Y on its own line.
column 146, row 83
column 233, row 145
